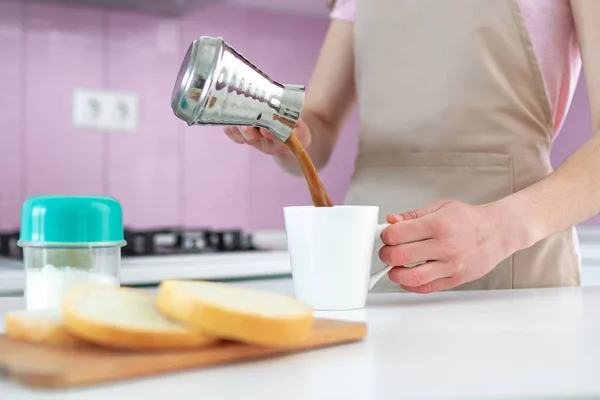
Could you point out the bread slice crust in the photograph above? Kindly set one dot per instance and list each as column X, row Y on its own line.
column 26, row 327
column 231, row 323
column 127, row 337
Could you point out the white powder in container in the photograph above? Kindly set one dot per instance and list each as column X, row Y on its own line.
column 45, row 287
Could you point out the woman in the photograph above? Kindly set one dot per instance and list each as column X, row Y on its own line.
column 459, row 102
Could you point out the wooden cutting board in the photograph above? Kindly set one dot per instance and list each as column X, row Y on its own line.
column 39, row 366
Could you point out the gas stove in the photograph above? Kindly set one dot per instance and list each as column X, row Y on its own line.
column 186, row 241
column 8, row 245
column 155, row 242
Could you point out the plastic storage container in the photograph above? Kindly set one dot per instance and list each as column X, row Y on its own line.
column 68, row 241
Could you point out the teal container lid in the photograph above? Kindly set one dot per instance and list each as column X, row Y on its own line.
column 73, row 220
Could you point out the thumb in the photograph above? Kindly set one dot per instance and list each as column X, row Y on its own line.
column 422, row 211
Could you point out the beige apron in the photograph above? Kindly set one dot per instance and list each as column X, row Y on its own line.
column 452, row 106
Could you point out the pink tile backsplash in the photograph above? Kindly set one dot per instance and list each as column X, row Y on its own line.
column 165, row 173
column 576, row 129
column 63, row 47
column 11, row 107
column 215, row 171
column 143, row 167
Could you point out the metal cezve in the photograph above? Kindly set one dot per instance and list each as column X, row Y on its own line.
column 216, row 85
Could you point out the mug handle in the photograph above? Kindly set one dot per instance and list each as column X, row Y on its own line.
column 379, row 274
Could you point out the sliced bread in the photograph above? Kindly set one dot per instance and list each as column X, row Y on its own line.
column 125, row 319
column 235, row 313
column 43, row 327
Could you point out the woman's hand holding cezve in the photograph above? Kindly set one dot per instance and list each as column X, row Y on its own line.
column 265, row 141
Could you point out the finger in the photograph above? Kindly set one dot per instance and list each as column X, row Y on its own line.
column 420, row 275
column 251, row 135
column 277, row 146
column 266, row 133
column 393, row 218
column 422, row 211
column 410, row 253
column 407, row 231
column 264, row 145
column 234, row 135
column 280, row 150
column 434, row 286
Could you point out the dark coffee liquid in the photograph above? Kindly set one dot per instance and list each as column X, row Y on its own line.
column 318, row 193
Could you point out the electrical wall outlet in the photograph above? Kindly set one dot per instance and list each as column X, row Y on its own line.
column 87, row 109
column 121, row 112
column 105, row 111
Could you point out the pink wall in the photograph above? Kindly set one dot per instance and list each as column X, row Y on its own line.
column 575, row 131
column 165, row 173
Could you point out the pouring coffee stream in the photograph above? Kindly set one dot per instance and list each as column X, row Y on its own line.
column 216, row 85
column 318, row 193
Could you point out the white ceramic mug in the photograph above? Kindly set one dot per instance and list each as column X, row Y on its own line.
column 331, row 250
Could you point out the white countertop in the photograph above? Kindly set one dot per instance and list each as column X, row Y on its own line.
column 457, row 345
